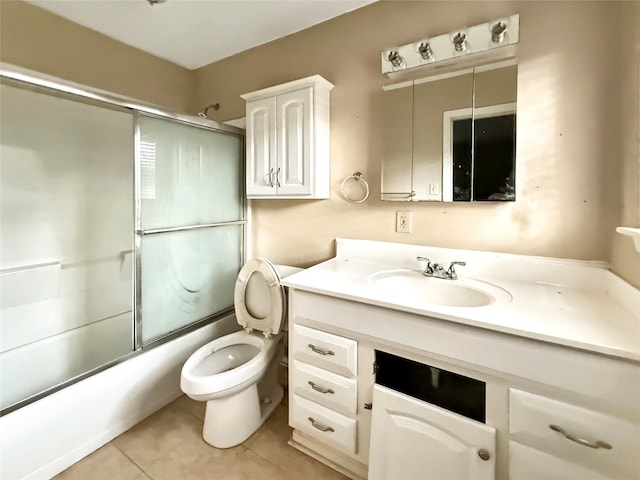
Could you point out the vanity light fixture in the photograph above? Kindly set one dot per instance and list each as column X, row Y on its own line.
column 491, row 41
column 392, row 55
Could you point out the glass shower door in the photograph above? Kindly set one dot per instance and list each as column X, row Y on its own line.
column 191, row 224
column 66, row 240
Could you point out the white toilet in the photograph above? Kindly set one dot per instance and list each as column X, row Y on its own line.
column 237, row 375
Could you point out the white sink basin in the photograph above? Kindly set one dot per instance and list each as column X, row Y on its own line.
column 412, row 285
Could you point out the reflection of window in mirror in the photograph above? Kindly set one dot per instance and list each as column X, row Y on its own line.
column 493, row 154
column 485, row 172
column 479, row 143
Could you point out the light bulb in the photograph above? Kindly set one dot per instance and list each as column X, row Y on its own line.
column 498, row 30
column 460, row 40
column 391, row 55
column 423, row 47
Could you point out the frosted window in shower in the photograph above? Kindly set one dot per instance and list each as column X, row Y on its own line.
column 66, row 239
column 187, row 276
column 189, row 175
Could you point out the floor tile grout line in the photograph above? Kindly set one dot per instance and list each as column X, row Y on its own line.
column 132, row 460
column 268, row 461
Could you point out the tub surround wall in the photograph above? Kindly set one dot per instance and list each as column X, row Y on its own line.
column 33, row 38
column 46, row 437
column 568, row 185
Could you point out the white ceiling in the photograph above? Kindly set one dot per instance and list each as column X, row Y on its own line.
column 194, row 33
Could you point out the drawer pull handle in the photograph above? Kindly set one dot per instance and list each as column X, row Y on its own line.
column 319, row 426
column 320, row 389
column 320, row 351
column 581, row 441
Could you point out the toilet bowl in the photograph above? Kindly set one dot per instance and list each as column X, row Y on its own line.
column 237, row 374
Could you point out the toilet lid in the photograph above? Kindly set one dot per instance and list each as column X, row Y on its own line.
column 258, row 297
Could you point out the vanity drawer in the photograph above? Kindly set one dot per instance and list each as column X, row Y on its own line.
column 530, row 420
column 325, row 350
column 526, row 463
column 321, row 386
column 328, row 426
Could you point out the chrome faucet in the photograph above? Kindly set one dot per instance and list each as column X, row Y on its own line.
column 437, row 270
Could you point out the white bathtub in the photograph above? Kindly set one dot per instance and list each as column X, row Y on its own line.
column 44, row 438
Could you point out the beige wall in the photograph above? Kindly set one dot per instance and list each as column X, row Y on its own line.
column 567, row 188
column 626, row 144
column 578, row 147
column 36, row 39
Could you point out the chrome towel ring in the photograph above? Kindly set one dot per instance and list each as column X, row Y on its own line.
column 357, row 177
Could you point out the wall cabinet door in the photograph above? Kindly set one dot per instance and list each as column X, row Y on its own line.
column 294, row 132
column 288, row 140
column 413, row 439
column 261, row 147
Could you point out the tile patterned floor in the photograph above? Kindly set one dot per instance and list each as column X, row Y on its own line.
column 169, row 446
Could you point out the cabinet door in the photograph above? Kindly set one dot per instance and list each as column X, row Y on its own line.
column 261, row 147
column 412, row 439
column 294, row 120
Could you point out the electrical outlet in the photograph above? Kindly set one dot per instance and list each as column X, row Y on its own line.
column 403, row 222
column 433, row 189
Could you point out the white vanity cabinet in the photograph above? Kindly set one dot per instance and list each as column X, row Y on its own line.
column 287, row 140
column 530, row 386
column 323, row 387
column 412, row 439
column 552, row 439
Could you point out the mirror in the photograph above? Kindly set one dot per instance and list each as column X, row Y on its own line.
column 451, row 137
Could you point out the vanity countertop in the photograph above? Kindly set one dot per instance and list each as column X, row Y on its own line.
column 568, row 302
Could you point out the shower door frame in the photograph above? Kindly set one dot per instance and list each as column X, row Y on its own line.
column 39, row 82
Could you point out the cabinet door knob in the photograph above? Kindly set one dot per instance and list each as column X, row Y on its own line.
column 597, row 444
column 319, row 350
column 484, row 454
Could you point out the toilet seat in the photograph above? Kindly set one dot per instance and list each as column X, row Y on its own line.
column 205, row 385
column 262, row 277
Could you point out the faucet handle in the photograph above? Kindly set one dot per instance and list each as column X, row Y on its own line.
column 452, row 271
column 428, row 270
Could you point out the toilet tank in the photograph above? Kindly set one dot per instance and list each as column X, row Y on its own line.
column 286, row 270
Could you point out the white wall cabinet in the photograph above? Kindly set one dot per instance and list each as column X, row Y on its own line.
column 287, row 136
column 413, row 439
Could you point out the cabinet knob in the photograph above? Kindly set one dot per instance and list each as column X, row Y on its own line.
column 484, row 454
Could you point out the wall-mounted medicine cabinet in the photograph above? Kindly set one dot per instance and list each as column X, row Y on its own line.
column 451, row 137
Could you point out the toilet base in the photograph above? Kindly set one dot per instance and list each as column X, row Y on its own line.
column 229, row 421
